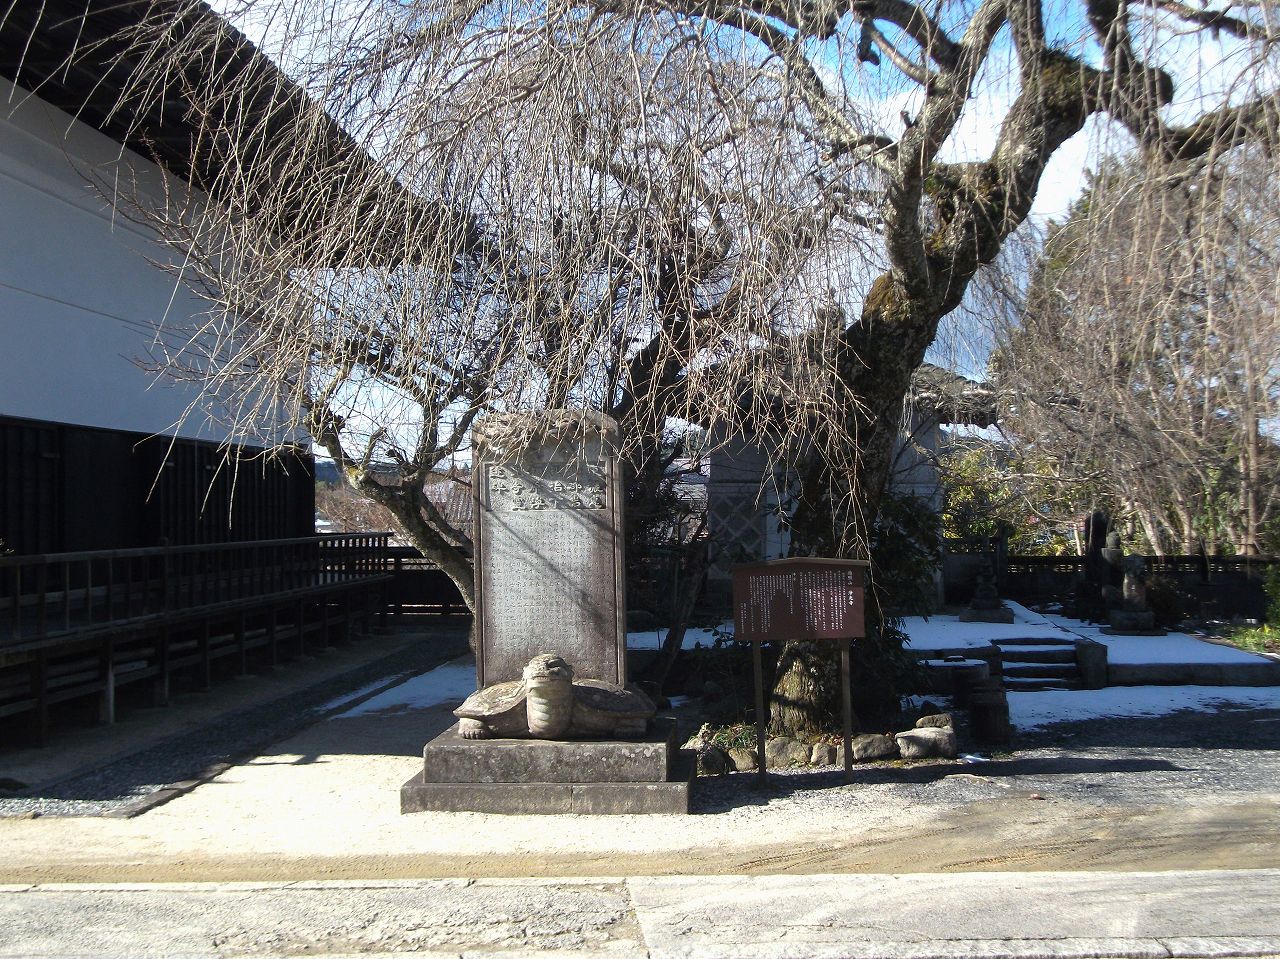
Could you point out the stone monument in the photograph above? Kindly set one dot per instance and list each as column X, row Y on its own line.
column 553, row 726
column 1132, row 616
column 1112, row 571
column 1089, row 604
column 986, row 607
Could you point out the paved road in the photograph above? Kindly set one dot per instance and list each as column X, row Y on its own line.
column 1201, row 914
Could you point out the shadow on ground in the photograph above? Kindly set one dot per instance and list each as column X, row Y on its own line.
column 251, row 732
column 1227, row 728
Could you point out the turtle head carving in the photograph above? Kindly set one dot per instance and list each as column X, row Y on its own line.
column 548, row 666
column 548, row 681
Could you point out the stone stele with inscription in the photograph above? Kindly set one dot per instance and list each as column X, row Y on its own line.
column 553, row 727
column 548, row 539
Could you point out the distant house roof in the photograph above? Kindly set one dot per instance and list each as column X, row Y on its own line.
column 951, row 399
column 451, row 495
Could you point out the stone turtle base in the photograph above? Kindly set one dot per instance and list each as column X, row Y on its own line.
column 535, row 776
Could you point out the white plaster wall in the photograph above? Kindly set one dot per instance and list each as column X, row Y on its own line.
column 79, row 301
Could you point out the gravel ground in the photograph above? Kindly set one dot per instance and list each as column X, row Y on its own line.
column 122, row 788
column 1186, row 758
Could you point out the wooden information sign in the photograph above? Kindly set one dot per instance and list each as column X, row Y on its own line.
column 800, row 599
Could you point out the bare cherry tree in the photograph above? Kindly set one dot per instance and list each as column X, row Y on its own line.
column 469, row 216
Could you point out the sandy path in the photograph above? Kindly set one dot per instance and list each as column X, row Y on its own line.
column 325, row 804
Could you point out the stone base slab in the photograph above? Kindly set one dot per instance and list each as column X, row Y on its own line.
column 593, row 799
column 1002, row 615
column 1132, row 622
column 541, row 776
column 1193, row 674
column 451, row 759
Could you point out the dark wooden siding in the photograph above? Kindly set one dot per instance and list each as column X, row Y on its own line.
column 68, row 487
column 30, row 486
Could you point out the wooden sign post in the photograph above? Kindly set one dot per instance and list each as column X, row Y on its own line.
column 801, row 599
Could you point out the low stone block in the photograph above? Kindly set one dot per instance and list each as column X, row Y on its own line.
column 596, row 799
column 451, row 759
column 1133, row 622
column 928, row 743
column 1001, row 615
column 1091, row 658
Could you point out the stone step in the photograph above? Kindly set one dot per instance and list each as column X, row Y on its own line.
column 1015, row 685
column 1031, row 654
column 1034, row 641
column 1041, row 671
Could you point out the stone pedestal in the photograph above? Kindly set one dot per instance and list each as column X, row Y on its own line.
column 1001, row 614
column 544, row 776
column 1132, row 622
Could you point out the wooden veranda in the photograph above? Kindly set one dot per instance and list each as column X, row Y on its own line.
column 77, row 625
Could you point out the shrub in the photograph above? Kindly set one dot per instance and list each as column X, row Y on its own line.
column 1272, row 588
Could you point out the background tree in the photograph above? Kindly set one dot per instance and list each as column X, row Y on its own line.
column 639, row 205
column 1148, row 356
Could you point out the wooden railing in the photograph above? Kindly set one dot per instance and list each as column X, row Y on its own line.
column 420, row 586
column 46, row 596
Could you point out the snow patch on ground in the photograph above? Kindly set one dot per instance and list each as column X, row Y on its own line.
column 1035, row 710
column 652, row 638
column 947, row 632
column 449, row 684
column 350, row 697
column 1171, row 648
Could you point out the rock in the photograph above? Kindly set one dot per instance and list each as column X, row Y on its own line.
column 868, row 747
column 928, row 709
column 939, row 720
column 822, row 754
column 785, row 751
column 714, row 761
column 931, row 742
column 744, row 760
column 699, row 740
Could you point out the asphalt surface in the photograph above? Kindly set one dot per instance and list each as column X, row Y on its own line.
column 1001, row 916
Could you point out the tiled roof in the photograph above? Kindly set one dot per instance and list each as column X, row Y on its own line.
column 452, row 497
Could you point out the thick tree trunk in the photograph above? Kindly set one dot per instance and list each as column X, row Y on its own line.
column 842, row 485
column 806, row 696
column 693, row 568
